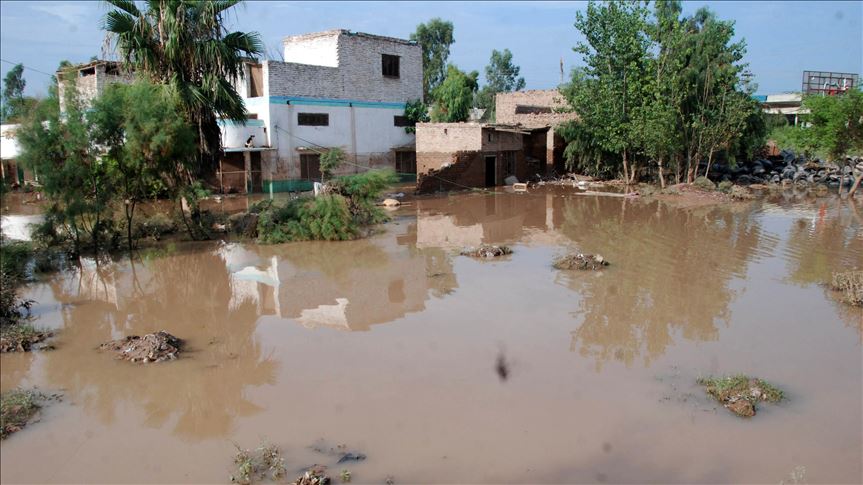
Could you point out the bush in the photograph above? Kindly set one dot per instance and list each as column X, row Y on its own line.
column 13, row 309
column 321, row 218
column 704, row 183
column 14, row 257
column 725, row 186
column 154, row 226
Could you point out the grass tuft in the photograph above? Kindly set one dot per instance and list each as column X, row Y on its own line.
column 17, row 407
column 850, row 283
column 740, row 393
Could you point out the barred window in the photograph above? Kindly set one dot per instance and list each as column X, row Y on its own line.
column 313, row 119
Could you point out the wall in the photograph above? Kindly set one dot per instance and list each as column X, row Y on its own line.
column 91, row 86
column 343, row 65
column 448, row 137
column 505, row 106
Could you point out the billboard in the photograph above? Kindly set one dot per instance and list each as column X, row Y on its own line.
column 829, row 83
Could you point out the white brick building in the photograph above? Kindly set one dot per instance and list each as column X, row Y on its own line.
column 334, row 89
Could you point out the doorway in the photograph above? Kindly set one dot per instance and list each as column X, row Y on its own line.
column 490, row 170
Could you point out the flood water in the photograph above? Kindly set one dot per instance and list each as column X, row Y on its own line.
column 390, row 346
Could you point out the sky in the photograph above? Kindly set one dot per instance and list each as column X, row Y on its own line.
column 783, row 38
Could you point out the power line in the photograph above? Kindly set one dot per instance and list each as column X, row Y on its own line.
column 27, row 67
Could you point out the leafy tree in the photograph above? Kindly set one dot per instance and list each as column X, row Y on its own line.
column 186, row 46
column 501, row 76
column 612, row 86
column 331, row 161
column 416, row 111
column 435, row 38
column 147, row 143
column 834, row 125
column 75, row 182
column 453, row 98
column 14, row 104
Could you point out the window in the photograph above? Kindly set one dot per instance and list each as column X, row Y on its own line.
column 256, row 80
column 522, row 109
column 406, row 162
column 313, row 119
column 390, row 65
column 491, row 136
column 90, row 71
column 401, row 121
column 310, row 166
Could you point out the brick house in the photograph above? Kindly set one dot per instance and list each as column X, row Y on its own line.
column 334, row 89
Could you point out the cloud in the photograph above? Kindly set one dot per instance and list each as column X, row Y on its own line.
column 73, row 13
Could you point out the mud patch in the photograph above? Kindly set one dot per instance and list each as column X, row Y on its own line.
column 486, row 251
column 152, row 347
column 741, row 393
column 22, row 337
column 580, row 261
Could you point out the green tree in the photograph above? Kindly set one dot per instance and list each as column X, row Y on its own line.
column 453, row 98
column 14, row 103
column 74, row 180
column 435, row 38
column 612, row 86
column 833, row 127
column 416, row 111
column 186, row 46
column 146, row 143
column 331, row 161
column 501, row 76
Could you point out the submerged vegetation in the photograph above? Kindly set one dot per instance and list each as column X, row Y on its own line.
column 740, row 393
column 580, row 261
column 850, row 283
column 17, row 407
column 258, row 464
column 343, row 212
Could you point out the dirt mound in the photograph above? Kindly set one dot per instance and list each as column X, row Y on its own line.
column 153, row 347
column 486, row 251
column 740, row 393
column 580, row 261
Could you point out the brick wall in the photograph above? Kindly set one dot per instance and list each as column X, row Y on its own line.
column 353, row 71
column 448, row 137
column 506, row 103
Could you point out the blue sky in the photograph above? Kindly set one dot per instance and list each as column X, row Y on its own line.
column 783, row 38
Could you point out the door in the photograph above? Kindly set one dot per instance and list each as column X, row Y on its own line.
column 490, row 170
column 310, row 167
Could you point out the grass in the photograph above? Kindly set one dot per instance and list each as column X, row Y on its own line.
column 740, row 393
column 850, row 283
column 16, row 409
column 265, row 461
column 20, row 337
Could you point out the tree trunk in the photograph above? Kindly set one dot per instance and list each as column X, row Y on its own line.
column 130, row 212
column 709, row 161
column 854, row 187
column 625, row 168
column 661, row 176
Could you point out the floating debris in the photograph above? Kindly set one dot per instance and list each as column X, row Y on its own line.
column 486, row 251
column 351, row 457
column 153, row 347
column 740, row 393
column 580, row 261
column 315, row 476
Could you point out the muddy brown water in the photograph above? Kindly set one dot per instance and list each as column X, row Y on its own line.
column 392, row 346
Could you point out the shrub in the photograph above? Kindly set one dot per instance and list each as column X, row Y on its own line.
column 16, row 409
column 704, row 183
column 14, row 257
column 725, row 186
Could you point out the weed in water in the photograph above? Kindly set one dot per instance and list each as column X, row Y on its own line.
column 16, row 409
column 265, row 461
column 345, row 476
column 740, row 393
column 850, row 283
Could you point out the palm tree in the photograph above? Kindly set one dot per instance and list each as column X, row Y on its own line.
column 185, row 45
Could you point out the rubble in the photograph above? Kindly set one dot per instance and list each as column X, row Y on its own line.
column 580, row 261
column 789, row 168
column 486, row 251
column 152, row 347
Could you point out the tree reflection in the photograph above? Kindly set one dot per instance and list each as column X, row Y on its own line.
column 670, row 274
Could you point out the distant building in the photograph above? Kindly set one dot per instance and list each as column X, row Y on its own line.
column 523, row 143
column 11, row 171
column 90, row 80
column 334, row 89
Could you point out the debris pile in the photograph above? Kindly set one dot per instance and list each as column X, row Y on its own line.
column 22, row 337
column 580, row 261
column 789, row 168
column 315, row 476
column 152, row 347
column 740, row 393
column 486, row 251
column 850, row 283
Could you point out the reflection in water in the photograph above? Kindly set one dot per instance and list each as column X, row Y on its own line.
column 661, row 256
